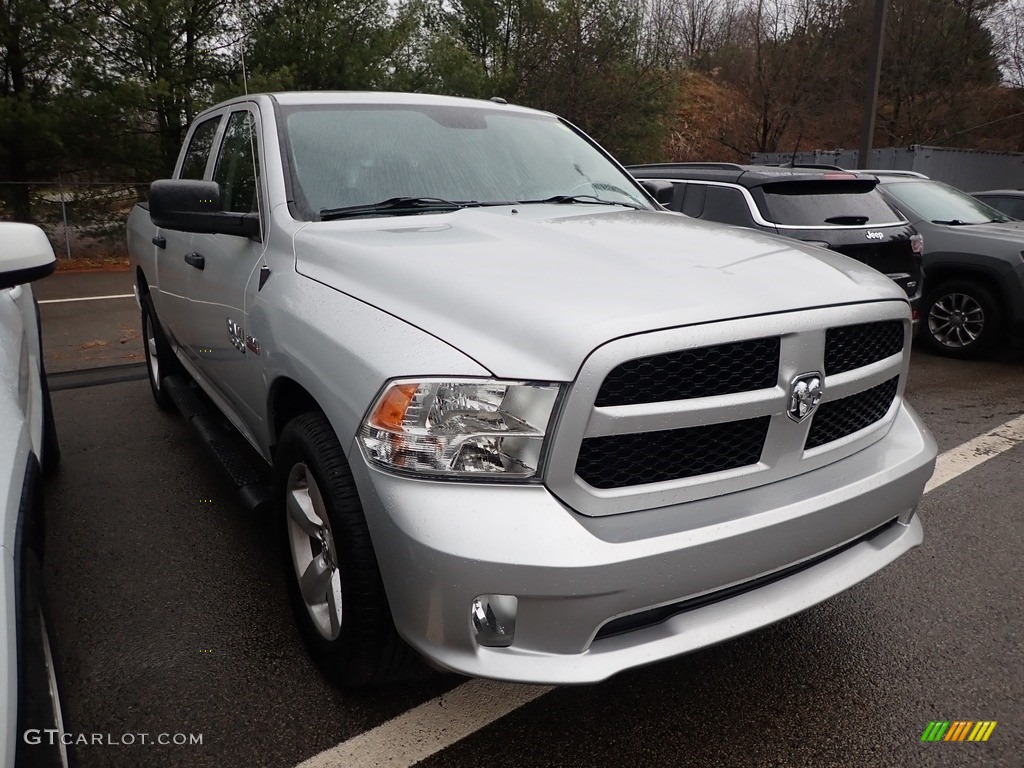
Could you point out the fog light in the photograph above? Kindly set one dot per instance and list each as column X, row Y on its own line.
column 494, row 620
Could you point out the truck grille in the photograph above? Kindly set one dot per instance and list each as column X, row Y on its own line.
column 854, row 346
column 683, row 414
column 719, row 370
column 618, row 461
column 840, row 418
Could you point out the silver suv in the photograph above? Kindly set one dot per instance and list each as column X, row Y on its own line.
column 517, row 417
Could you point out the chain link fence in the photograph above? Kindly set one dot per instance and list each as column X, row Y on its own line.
column 85, row 220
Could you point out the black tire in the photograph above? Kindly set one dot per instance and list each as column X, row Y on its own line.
column 960, row 318
column 160, row 359
column 366, row 649
column 39, row 706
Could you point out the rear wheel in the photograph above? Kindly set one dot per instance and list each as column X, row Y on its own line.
column 160, row 359
column 333, row 578
column 961, row 319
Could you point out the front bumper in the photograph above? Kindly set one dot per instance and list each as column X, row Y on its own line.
column 442, row 544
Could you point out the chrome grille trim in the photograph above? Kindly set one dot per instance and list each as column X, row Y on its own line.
column 802, row 346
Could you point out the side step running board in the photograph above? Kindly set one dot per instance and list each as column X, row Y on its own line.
column 233, row 454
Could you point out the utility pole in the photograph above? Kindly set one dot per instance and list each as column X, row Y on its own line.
column 874, row 73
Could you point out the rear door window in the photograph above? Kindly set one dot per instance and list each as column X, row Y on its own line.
column 826, row 203
column 693, row 200
column 726, row 205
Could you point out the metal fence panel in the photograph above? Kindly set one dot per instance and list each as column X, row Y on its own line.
column 84, row 220
column 969, row 169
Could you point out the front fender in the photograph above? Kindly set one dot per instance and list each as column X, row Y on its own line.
column 341, row 350
column 1006, row 273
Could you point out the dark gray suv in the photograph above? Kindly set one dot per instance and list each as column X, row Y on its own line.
column 834, row 209
column 973, row 264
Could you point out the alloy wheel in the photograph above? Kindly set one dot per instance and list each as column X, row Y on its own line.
column 956, row 320
column 152, row 359
column 313, row 552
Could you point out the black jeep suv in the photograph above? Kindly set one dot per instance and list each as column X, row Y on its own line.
column 833, row 209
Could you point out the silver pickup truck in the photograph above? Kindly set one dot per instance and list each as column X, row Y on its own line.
column 515, row 416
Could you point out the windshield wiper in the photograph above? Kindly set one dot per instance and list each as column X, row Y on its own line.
column 850, row 220
column 568, row 199
column 953, row 222
column 396, row 206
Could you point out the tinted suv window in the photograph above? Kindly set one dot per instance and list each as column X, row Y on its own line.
column 727, row 206
column 693, row 200
column 825, row 203
column 237, row 163
column 194, row 165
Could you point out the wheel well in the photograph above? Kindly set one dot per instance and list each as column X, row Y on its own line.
column 140, row 282
column 946, row 274
column 288, row 399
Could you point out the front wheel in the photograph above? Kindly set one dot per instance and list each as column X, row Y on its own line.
column 333, row 578
column 961, row 319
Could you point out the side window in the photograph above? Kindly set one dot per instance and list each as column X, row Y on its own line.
column 194, row 165
column 727, row 206
column 1011, row 206
column 237, row 164
column 693, row 200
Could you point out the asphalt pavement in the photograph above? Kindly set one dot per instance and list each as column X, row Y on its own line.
column 83, row 331
column 171, row 615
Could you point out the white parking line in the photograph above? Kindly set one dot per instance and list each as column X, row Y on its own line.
column 956, row 461
column 430, row 727
column 89, row 298
column 427, row 729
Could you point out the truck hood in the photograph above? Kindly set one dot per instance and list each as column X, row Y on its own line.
column 528, row 292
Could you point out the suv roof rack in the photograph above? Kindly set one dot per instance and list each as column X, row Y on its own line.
column 891, row 172
column 814, row 166
column 716, row 166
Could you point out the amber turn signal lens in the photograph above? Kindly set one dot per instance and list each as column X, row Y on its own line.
column 390, row 412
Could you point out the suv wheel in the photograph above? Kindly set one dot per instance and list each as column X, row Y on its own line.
column 961, row 319
column 332, row 574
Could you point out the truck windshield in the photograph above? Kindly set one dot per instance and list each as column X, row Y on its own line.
column 362, row 154
column 942, row 204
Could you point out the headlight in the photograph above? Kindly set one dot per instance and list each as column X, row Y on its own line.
column 461, row 428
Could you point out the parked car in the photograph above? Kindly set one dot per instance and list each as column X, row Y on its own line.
column 1007, row 201
column 830, row 208
column 972, row 263
column 519, row 418
column 28, row 449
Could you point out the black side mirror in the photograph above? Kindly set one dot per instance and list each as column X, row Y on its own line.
column 660, row 190
column 195, row 206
